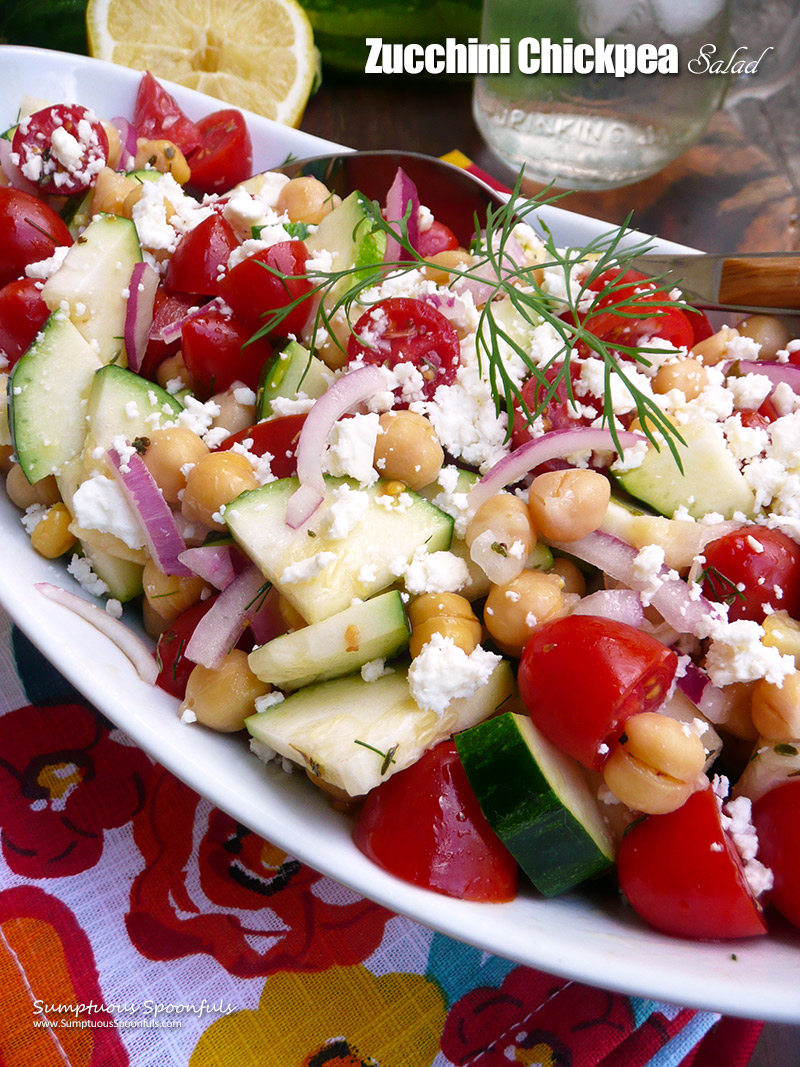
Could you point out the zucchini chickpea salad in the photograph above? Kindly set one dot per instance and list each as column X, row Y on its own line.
column 497, row 542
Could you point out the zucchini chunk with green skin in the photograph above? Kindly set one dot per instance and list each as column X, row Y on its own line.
column 537, row 801
column 355, row 734
column 320, row 574
column 376, row 629
column 48, row 393
column 349, row 235
column 292, row 371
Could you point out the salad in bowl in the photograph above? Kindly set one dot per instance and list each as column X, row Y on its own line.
column 494, row 539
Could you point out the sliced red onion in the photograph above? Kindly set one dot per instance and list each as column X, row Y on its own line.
column 698, row 687
column 16, row 179
column 483, row 279
column 171, row 331
column 345, row 393
column 139, row 312
column 402, row 192
column 776, row 372
column 127, row 140
column 164, row 542
column 681, row 605
column 123, row 637
column 623, row 605
column 225, row 621
column 554, row 445
column 213, row 563
column 267, row 621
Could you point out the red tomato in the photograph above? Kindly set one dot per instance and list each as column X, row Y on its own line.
column 167, row 308
column 201, row 257
column 22, row 315
column 559, row 413
column 217, row 353
column 225, row 155
column 438, row 238
column 173, row 666
column 403, row 330
column 254, row 290
column 683, row 876
column 157, row 116
column 45, row 160
column 276, row 436
column 425, row 826
column 581, row 677
column 29, row 231
column 615, row 325
column 739, row 574
column 776, row 817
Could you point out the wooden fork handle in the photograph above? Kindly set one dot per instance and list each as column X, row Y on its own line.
column 766, row 280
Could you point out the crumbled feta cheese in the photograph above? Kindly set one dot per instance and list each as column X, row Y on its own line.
column 114, row 608
column 376, row 668
column 443, row 672
column 81, row 570
column 188, row 717
column 99, row 504
column 737, row 654
column 306, row 569
column 269, row 700
column 352, row 447
column 34, row 514
column 435, row 572
column 346, row 510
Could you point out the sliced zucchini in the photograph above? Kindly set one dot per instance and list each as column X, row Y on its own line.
column 318, row 574
column 292, row 371
column 356, row 734
column 376, row 629
column 537, row 801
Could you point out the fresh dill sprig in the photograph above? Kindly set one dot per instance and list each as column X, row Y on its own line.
column 496, row 267
column 722, row 588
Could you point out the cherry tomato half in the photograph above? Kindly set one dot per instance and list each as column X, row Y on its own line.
column 29, row 231
column 776, row 817
column 278, row 437
column 217, row 351
column 201, row 257
column 642, row 316
column 404, row 330
column 437, row 238
column 225, row 155
column 157, row 116
column 751, row 568
column 61, row 148
column 167, row 308
column 582, row 676
column 173, row 666
column 425, row 826
column 683, row 876
column 22, row 315
column 268, row 281
column 559, row 413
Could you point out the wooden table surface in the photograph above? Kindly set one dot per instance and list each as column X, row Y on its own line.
column 739, row 189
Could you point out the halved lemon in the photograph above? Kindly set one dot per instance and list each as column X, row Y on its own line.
column 259, row 56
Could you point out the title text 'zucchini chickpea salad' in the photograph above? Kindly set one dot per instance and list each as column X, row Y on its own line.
column 497, row 543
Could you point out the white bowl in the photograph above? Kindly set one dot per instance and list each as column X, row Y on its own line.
column 583, row 937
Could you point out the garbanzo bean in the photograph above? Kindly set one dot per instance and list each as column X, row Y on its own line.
column 447, row 614
column 407, row 449
column 514, row 609
column 111, row 190
column 290, row 615
column 222, row 699
column 23, row 494
column 452, row 259
column 167, row 457
column 568, row 505
column 656, row 765
column 571, row 574
column 767, row 330
column 163, row 156
column 712, row 350
column 500, row 537
column 215, row 479
column 776, row 711
column 781, row 631
column 170, row 594
column 235, row 413
column 173, row 369
column 114, row 144
column 688, row 375
column 305, row 199
column 51, row 535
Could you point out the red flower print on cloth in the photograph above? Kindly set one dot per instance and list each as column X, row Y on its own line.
column 534, row 1018
column 210, row 885
column 49, row 975
column 63, row 781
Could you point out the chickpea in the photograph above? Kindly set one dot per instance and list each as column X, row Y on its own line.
column 305, row 199
column 407, row 449
column 234, row 414
column 114, row 144
column 776, row 711
column 111, row 190
column 447, row 614
column 167, row 456
column 215, row 479
column 290, row 615
column 22, row 493
column 781, row 631
column 572, row 576
column 163, row 156
column 500, row 537
column 656, row 765
column 333, row 350
column 714, row 349
column 51, row 536
column 451, row 259
column 736, row 710
column 173, row 369
column 154, row 624
column 514, row 609
column 223, row 698
column 568, row 505
column 133, row 198
column 688, row 375
column 170, row 594
column 767, row 330
column 6, row 462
